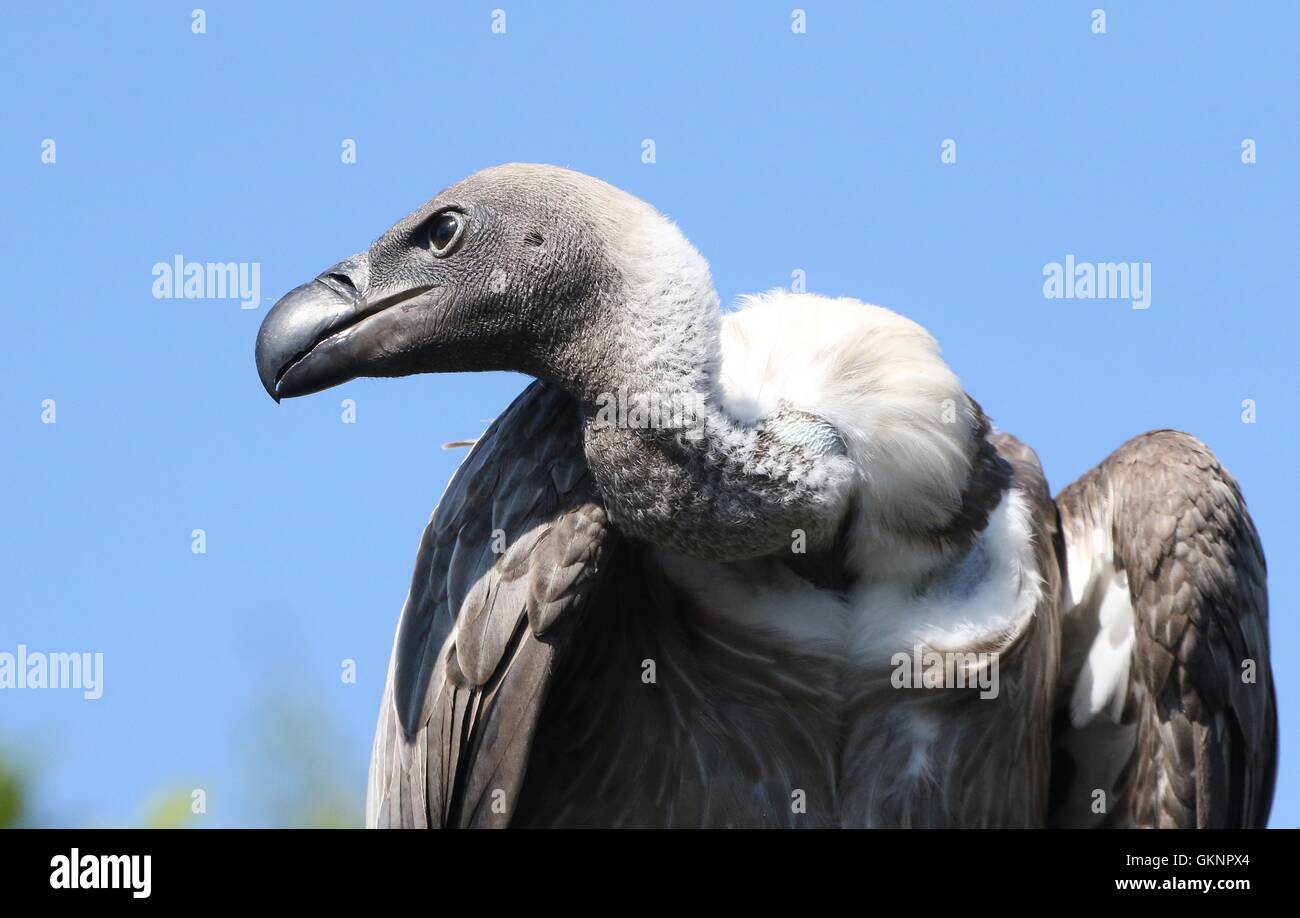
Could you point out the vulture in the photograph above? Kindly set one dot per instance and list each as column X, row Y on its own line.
column 771, row 566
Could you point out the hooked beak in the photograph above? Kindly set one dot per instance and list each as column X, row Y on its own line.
column 330, row 330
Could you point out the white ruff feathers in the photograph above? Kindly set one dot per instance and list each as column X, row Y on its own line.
column 879, row 379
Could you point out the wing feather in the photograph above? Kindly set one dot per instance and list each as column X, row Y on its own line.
column 1167, row 679
column 504, row 570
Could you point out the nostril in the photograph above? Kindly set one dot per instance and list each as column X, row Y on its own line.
column 341, row 280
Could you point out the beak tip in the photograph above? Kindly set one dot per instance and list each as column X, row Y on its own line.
column 267, row 379
column 292, row 327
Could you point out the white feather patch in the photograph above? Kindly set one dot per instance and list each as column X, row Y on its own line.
column 989, row 594
column 1102, row 684
column 877, row 377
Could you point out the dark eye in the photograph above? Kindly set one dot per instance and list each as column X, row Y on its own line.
column 444, row 232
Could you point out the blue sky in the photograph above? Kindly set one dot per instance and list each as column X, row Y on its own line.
column 775, row 151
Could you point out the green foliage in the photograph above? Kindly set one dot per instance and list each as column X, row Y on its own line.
column 13, row 794
column 296, row 757
column 170, row 810
column 292, row 755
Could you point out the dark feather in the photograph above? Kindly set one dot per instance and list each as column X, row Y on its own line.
column 509, row 555
column 1196, row 743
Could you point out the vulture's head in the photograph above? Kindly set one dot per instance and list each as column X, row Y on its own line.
column 518, row 267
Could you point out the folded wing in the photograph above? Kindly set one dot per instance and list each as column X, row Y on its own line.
column 1167, row 712
column 504, row 571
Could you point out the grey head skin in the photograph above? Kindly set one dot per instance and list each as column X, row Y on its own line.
column 517, row 674
column 498, row 272
column 562, row 277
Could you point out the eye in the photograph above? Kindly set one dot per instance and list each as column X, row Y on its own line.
column 444, row 232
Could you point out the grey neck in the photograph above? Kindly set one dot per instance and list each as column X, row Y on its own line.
column 676, row 470
column 673, row 467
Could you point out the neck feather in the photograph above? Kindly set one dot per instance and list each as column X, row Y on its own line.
column 877, row 431
column 673, row 466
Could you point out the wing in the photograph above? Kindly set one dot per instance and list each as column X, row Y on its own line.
column 504, row 571
column 1166, row 704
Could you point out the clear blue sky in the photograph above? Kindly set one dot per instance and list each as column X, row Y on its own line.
column 775, row 152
